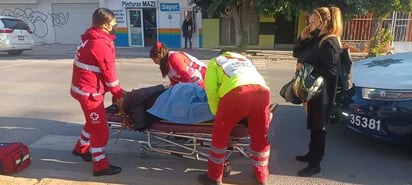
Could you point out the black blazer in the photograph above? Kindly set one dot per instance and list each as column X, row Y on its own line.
column 324, row 57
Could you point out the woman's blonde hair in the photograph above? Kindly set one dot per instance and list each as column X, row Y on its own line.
column 333, row 18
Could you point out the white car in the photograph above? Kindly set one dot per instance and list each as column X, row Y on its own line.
column 15, row 36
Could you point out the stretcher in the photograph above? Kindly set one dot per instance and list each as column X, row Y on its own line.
column 188, row 141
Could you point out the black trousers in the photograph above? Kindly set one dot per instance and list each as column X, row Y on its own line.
column 190, row 41
column 317, row 146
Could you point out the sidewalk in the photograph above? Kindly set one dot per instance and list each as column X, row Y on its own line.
column 49, row 51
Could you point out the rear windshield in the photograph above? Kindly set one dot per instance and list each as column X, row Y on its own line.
column 15, row 24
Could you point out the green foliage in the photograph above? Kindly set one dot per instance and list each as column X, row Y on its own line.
column 381, row 40
column 291, row 8
column 212, row 8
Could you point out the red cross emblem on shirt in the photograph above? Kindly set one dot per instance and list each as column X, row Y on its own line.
column 94, row 116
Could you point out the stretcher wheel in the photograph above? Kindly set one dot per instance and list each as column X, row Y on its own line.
column 141, row 151
column 227, row 168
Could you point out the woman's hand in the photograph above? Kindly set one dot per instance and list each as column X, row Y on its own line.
column 305, row 33
column 299, row 66
column 119, row 103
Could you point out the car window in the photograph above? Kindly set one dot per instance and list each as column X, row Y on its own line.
column 15, row 24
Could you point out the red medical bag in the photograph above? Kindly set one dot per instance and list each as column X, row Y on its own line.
column 14, row 157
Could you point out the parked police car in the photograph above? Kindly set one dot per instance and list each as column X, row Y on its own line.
column 381, row 105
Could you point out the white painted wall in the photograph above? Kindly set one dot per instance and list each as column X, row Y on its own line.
column 40, row 17
column 402, row 47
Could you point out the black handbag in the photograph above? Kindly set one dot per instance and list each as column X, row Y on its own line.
column 287, row 93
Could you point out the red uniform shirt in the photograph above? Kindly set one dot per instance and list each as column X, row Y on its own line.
column 94, row 70
column 185, row 68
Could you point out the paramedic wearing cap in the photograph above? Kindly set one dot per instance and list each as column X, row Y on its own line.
column 235, row 90
column 94, row 74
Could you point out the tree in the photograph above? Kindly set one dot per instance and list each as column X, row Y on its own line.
column 215, row 7
column 240, row 10
column 380, row 9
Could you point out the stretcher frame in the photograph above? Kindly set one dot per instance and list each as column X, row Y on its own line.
column 189, row 141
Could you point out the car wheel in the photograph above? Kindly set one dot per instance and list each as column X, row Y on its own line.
column 15, row 52
column 335, row 114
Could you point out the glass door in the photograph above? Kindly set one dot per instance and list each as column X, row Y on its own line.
column 149, row 26
column 135, row 27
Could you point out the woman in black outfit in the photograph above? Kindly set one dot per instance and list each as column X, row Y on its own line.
column 305, row 43
column 324, row 56
column 187, row 29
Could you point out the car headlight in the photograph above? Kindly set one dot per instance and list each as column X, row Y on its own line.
column 386, row 95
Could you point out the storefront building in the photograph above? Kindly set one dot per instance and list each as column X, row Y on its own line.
column 140, row 22
column 143, row 22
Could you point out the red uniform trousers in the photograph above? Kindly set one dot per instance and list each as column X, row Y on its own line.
column 251, row 101
column 95, row 133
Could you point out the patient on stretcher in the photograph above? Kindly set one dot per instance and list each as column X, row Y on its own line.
column 135, row 104
column 183, row 103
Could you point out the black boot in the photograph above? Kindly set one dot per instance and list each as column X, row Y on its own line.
column 311, row 169
column 259, row 183
column 315, row 154
column 111, row 170
column 205, row 180
column 317, row 145
column 86, row 156
column 303, row 158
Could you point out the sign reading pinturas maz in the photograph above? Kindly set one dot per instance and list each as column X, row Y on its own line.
column 138, row 3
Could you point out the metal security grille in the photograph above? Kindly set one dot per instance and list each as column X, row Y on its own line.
column 227, row 31
column 401, row 27
column 358, row 29
column 253, row 34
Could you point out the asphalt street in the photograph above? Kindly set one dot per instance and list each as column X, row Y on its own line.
column 36, row 108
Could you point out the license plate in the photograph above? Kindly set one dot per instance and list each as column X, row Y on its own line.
column 21, row 37
column 365, row 122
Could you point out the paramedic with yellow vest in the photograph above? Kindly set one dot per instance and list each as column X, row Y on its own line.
column 236, row 90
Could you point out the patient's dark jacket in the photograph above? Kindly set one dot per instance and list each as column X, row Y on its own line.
column 137, row 101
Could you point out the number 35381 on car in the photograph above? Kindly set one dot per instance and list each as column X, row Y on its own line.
column 381, row 105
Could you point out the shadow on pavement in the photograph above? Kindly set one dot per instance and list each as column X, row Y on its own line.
column 347, row 156
column 51, row 142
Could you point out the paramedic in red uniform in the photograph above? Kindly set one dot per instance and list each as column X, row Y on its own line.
column 94, row 74
column 178, row 66
column 236, row 90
